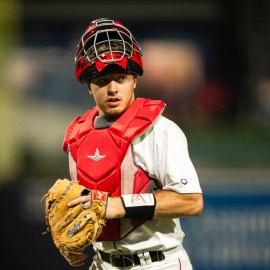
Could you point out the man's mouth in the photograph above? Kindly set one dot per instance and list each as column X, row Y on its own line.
column 113, row 99
column 113, row 102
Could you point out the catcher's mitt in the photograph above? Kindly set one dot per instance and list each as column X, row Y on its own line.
column 77, row 227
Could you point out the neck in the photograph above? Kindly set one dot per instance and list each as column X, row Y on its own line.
column 104, row 121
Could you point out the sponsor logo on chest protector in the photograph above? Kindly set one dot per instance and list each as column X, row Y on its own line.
column 97, row 157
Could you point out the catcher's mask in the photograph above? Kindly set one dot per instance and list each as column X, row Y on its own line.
column 106, row 41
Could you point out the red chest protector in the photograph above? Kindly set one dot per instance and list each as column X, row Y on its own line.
column 104, row 156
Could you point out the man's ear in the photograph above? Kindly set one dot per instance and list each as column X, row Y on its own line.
column 89, row 88
column 135, row 81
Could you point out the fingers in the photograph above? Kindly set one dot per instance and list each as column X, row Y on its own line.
column 82, row 199
column 74, row 258
column 86, row 205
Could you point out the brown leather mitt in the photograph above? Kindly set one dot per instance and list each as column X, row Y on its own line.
column 77, row 227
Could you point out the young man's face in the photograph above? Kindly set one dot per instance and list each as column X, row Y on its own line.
column 113, row 92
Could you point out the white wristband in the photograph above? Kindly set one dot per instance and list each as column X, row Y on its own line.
column 139, row 205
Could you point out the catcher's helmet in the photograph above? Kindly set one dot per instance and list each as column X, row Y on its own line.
column 105, row 42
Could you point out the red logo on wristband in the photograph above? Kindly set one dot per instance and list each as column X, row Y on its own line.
column 138, row 198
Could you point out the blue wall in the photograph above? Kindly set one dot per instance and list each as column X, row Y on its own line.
column 232, row 233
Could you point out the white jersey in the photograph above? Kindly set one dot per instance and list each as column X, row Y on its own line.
column 162, row 152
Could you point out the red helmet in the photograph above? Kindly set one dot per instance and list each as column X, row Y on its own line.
column 105, row 42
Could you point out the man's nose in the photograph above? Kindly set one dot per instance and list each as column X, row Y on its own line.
column 112, row 87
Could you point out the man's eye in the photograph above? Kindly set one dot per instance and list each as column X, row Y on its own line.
column 102, row 81
column 121, row 78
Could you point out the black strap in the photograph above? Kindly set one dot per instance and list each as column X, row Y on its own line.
column 129, row 259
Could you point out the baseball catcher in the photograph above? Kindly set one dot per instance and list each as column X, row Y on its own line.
column 128, row 164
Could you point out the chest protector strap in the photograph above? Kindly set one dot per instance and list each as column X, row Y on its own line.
column 104, row 156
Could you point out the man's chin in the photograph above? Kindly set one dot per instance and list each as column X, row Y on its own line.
column 113, row 112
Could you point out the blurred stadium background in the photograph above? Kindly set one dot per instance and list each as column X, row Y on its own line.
column 210, row 62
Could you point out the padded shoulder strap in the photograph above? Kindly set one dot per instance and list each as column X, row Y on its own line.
column 75, row 124
column 139, row 116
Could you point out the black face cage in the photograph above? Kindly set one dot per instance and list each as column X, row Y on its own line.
column 108, row 45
